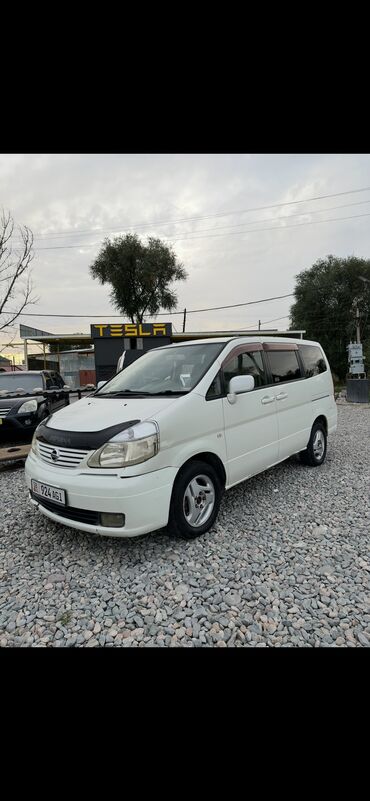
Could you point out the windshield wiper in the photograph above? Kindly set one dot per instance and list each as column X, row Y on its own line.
column 122, row 393
column 170, row 392
column 137, row 392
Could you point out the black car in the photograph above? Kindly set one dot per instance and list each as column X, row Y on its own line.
column 19, row 413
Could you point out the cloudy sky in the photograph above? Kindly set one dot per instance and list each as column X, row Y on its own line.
column 207, row 206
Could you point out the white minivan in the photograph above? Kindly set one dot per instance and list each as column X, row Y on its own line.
column 159, row 443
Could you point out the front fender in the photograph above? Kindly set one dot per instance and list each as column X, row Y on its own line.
column 191, row 450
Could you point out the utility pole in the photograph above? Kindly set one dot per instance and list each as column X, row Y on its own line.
column 358, row 340
column 259, row 325
column 184, row 321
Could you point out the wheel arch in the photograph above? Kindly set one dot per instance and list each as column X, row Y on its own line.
column 209, row 458
column 321, row 419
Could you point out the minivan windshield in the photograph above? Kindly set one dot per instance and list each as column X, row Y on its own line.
column 26, row 381
column 164, row 371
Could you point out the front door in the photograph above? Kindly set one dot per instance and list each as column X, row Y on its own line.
column 57, row 399
column 251, row 429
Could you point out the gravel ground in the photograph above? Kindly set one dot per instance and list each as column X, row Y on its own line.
column 287, row 564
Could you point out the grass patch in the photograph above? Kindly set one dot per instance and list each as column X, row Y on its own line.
column 65, row 618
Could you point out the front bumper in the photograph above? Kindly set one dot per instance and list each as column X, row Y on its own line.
column 144, row 500
column 13, row 424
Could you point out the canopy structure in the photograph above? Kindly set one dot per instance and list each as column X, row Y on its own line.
column 44, row 338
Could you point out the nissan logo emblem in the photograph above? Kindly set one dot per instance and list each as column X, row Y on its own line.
column 54, row 455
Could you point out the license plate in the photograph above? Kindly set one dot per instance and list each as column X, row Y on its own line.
column 46, row 491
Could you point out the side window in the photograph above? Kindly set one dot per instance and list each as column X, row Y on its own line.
column 48, row 381
column 54, row 379
column 215, row 390
column 313, row 360
column 59, row 380
column 284, row 365
column 248, row 363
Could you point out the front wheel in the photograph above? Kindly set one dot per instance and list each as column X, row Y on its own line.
column 196, row 498
column 315, row 452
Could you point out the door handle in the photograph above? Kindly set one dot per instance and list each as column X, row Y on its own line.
column 267, row 399
column 282, row 396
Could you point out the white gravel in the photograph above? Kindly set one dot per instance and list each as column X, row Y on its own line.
column 287, row 564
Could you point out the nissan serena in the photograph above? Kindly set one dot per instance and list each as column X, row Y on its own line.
column 159, row 443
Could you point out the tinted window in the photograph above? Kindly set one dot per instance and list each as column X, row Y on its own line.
column 313, row 360
column 284, row 365
column 215, row 389
column 56, row 380
column 246, row 364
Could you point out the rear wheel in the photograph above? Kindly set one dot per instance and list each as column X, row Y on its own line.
column 195, row 501
column 315, row 453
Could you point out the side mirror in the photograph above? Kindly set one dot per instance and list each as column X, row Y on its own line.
column 120, row 362
column 66, row 388
column 101, row 384
column 239, row 384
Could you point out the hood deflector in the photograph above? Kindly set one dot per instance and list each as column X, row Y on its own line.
column 86, row 440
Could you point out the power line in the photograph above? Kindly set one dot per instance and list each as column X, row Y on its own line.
column 210, row 236
column 214, row 215
column 220, row 227
column 189, row 311
column 313, row 319
column 272, row 228
column 282, row 217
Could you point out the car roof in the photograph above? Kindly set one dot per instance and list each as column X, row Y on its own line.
column 27, row 372
column 241, row 340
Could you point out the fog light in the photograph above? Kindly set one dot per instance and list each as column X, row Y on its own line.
column 112, row 520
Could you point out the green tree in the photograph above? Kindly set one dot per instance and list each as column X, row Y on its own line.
column 326, row 295
column 140, row 275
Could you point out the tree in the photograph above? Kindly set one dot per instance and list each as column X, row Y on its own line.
column 140, row 275
column 326, row 296
column 15, row 273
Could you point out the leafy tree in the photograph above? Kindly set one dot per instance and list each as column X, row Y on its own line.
column 326, row 295
column 140, row 275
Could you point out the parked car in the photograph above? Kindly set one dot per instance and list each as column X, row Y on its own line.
column 23, row 414
column 159, row 443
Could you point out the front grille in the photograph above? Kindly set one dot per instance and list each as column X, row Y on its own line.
column 67, row 457
column 4, row 412
column 69, row 512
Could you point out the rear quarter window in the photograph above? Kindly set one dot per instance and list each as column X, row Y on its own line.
column 284, row 366
column 313, row 360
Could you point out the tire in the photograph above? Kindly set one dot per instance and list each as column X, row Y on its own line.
column 315, row 453
column 195, row 501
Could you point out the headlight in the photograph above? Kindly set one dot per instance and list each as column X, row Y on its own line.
column 34, row 443
column 132, row 446
column 28, row 406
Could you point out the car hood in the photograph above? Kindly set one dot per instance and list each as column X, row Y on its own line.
column 95, row 414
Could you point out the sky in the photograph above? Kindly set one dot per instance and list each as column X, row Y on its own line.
column 72, row 201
